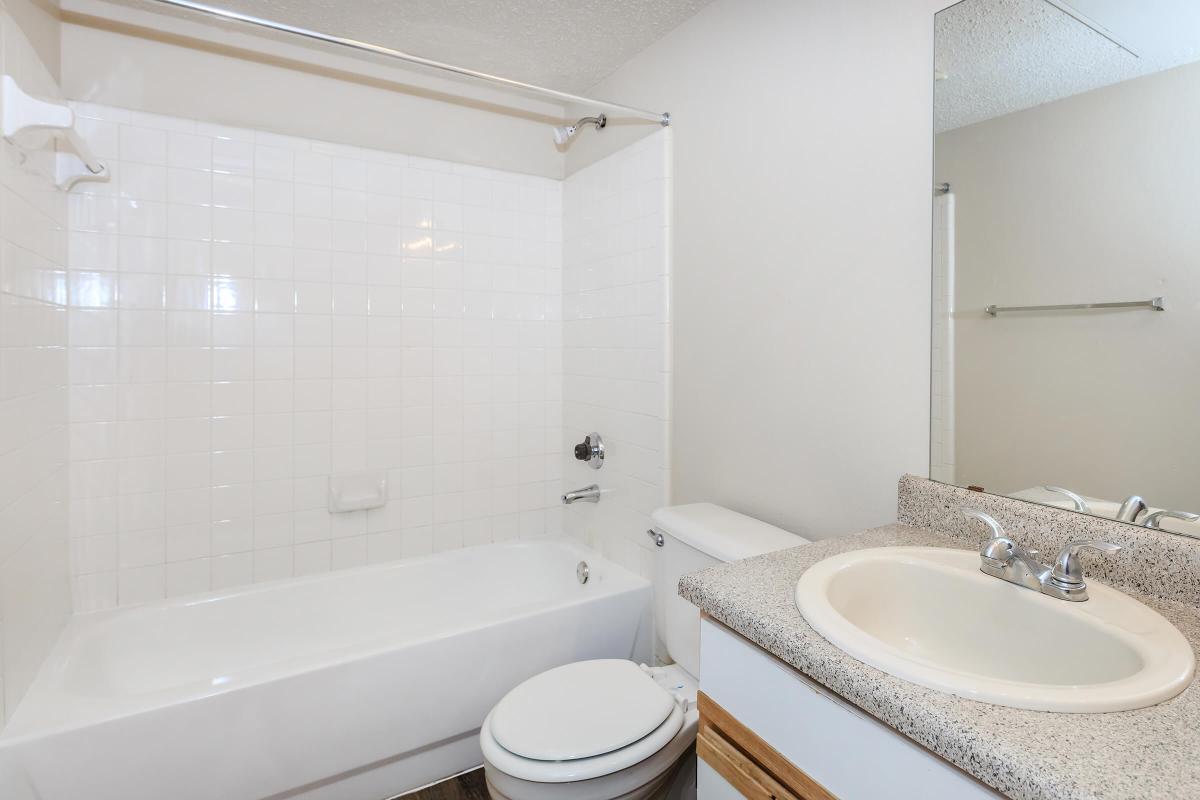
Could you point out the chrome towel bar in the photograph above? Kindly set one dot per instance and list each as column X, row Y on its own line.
column 1154, row 304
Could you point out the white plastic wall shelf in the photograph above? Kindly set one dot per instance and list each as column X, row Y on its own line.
column 22, row 113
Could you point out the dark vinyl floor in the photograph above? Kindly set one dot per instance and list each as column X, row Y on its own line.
column 469, row 786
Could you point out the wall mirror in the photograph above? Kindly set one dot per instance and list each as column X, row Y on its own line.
column 1066, row 274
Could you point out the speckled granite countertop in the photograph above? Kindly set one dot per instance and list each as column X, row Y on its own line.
column 1028, row 755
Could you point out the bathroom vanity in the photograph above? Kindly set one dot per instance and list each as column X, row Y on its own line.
column 751, row 745
column 787, row 714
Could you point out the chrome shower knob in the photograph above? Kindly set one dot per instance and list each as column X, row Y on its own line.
column 591, row 451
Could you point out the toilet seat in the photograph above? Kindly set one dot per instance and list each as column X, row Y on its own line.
column 580, row 710
column 580, row 721
column 579, row 769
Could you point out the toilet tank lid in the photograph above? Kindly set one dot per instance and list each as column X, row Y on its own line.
column 720, row 533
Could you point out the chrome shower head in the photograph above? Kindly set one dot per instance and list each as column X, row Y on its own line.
column 564, row 133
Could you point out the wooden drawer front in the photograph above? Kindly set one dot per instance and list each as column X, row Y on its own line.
column 748, row 763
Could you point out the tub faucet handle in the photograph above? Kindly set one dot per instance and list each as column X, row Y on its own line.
column 591, row 451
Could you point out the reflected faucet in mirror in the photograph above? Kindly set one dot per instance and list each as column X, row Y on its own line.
column 1135, row 510
column 1132, row 508
column 1080, row 503
column 1154, row 518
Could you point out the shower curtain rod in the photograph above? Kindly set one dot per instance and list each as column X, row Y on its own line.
column 654, row 116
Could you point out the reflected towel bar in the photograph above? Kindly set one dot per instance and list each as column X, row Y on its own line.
column 1154, row 304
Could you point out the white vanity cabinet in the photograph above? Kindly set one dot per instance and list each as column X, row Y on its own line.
column 769, row 733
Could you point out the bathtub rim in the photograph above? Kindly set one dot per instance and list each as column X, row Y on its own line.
column 47, row 687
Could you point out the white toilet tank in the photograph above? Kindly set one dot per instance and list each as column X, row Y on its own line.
column 696, row 536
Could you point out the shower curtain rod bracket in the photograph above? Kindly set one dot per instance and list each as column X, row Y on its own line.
column 22, row 114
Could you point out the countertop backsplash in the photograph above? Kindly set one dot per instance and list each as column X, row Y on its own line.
column 1150, row 562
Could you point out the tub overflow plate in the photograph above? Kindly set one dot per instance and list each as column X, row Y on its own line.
column 582, row 572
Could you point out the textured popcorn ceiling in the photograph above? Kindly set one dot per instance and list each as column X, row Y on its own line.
column 567, row 45
column 1001, row 56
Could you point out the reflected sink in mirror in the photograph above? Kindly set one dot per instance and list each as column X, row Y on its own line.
column 928, row 615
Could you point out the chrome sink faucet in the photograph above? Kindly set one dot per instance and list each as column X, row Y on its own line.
column 1003, row 558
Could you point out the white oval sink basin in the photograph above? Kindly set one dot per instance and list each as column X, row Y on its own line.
column 928, row 615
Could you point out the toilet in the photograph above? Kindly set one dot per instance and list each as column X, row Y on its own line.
column 612, row 729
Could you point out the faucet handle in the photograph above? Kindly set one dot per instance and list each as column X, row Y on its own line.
column 1154, row 518
column 1068, row 571
column 987, row 519
column 1076, row 500
column 999, row 549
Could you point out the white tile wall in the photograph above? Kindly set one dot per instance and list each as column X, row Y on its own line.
column 251, row 313
column 34, row 589
column 616, row 343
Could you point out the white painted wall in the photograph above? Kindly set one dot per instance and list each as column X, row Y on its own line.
column 34, row 592
column 802, row 142
column 231, row 75
column 1091, row 198
column 39, row 23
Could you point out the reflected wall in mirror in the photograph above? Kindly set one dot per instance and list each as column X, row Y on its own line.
column 1067, row 172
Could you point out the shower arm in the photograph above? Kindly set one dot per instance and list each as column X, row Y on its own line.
column 661, row 118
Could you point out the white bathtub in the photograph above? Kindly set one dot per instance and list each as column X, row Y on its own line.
column 360, row 684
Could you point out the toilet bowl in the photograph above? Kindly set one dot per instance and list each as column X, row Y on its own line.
column 611, row 729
